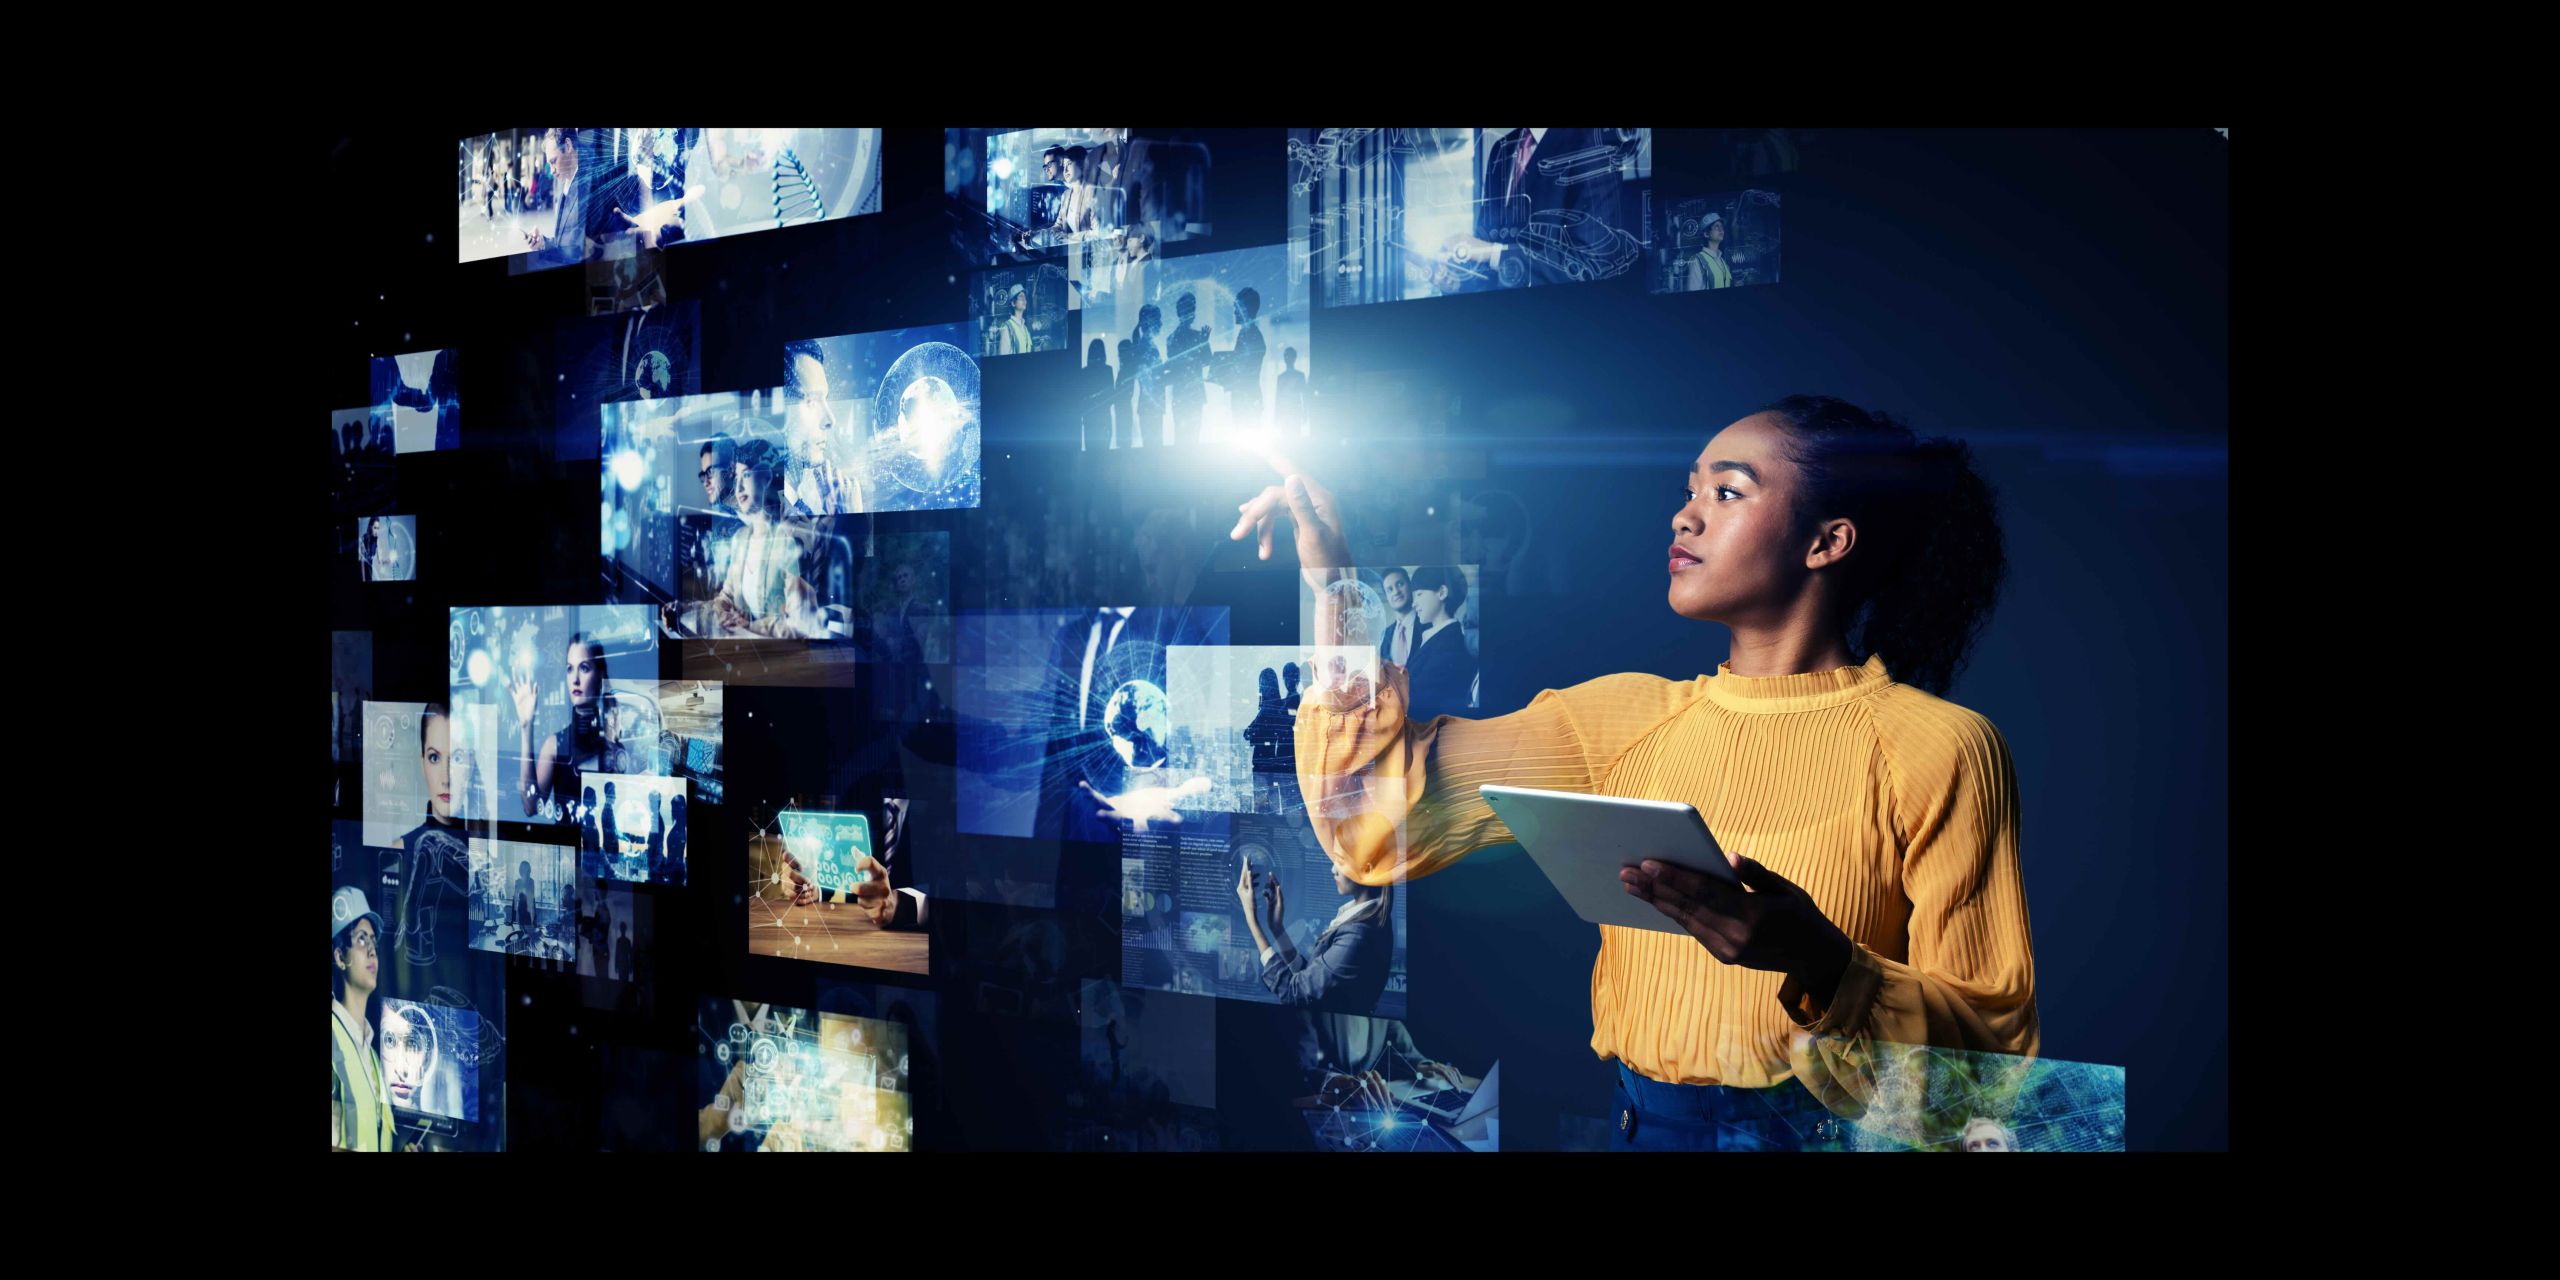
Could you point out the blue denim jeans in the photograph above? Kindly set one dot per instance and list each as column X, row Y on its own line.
column 1648, row 1115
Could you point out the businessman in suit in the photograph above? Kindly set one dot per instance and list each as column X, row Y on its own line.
column 1403, row 630
column 578, row 217
column 882, row 899
column 1090, row 658
column 1513, row 188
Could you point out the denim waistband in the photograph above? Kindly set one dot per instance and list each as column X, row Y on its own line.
column 1711, row 1101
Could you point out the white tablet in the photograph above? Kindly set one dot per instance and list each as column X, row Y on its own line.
column 1582, row 841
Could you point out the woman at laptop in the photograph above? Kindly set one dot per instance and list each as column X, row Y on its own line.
column 1874, row 824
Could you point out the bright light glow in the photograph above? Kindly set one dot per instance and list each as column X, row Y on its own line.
column 479, row 667
column 1002, row 168
column 629, row 468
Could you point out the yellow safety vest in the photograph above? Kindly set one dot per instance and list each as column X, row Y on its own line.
column 357, row 1085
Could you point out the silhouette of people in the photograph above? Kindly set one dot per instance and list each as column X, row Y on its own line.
column 1186, row 355
column 1291, row 394
column 657, row 840
column 1098, row 386
column 524, row 904
column 622, row 953
column 1244, row 363
column 1122, row 376
column 1145, row 365
column 674, row 860
column 1289, row 676
column 1272, row 735
column 612, row 843
column 587, row 825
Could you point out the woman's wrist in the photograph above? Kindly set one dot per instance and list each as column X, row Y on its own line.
column 1822, row 981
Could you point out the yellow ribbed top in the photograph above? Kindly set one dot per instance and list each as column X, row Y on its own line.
column 1896, row 810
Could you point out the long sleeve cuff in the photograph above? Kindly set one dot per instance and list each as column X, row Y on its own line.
column 912, row 905
column 1851, row 1001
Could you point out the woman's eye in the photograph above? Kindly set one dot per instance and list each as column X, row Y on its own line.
column 1722, row 490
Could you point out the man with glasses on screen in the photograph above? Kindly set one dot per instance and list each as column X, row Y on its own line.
column 703, row 532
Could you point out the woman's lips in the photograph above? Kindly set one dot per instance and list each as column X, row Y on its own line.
column 1681, row 559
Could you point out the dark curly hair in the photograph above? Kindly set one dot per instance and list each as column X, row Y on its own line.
column 1923, row 592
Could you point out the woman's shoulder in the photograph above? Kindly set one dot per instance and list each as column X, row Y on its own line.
column 1630, row 695
column 1921, row 729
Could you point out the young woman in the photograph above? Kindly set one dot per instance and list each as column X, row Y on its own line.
column 1442, row 674
column 1875, row 824
column 550, row 775
column 1347, row 964
column 766, row 555
column 433, row 866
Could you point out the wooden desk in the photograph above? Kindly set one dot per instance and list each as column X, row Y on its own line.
column 770, row 662
column 832, row 933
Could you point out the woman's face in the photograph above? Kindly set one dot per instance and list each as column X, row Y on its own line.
column 1342, row 884
column 407, row 1051
column 1736, row 552
column 750, row 494
column 1430, row 605
column 585, row 681
column 435, row 764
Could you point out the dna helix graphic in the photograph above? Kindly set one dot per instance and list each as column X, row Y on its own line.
column 795, row 193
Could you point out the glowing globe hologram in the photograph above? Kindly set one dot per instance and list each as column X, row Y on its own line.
column 1139, row 721
column 656, row 375
column 1359, row 612
column 925, row 425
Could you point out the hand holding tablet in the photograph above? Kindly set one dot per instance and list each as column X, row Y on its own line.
column 1583, row 841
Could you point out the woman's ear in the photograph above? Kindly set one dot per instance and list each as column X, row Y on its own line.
column 1833, row 540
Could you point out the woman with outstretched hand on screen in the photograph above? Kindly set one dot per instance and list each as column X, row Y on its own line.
column 1874, row 825
column 550, row 775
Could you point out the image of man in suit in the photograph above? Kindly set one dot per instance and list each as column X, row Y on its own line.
column 1396, row 645
column 1510, row 245
column 574, row 222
